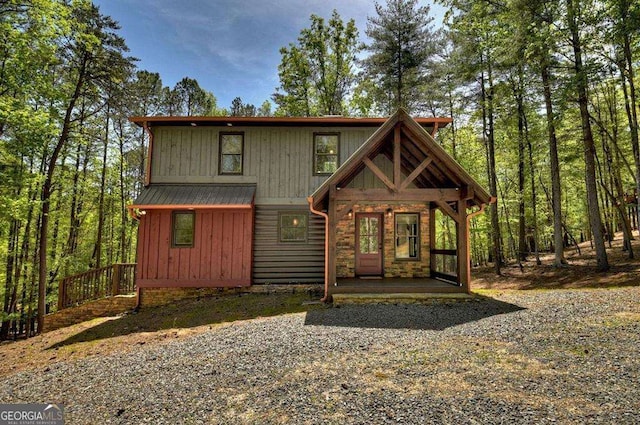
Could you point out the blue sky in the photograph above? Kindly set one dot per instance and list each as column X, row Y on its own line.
column 230, row 46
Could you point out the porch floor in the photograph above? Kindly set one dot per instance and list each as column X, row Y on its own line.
column 394, row 286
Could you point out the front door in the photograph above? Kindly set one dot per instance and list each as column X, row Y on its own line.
column 369, row 244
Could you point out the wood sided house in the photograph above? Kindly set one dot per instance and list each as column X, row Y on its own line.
column 237, row 201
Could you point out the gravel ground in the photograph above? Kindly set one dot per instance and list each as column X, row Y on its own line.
column 564, row 356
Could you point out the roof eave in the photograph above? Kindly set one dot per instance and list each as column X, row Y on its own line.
column 278, row 121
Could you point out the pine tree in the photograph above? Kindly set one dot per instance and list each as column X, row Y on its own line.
column 402, row 45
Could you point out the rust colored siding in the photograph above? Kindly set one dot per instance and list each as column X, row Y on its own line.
column 287, row 262
column 220, row 257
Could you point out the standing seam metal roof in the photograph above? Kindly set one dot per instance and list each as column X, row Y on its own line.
column 201, row 194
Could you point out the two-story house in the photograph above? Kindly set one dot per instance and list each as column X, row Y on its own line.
column 237, row 201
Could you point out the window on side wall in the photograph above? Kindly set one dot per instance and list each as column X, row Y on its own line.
column 231, row 152
column 293, row 226
column 408, row 236
column 183, row 229
column 325, row 153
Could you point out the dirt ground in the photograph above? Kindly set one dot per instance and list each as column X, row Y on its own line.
column 580, row 272
column 158, row 325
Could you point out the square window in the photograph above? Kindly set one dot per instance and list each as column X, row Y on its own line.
column 325, row 152
column 231, row 153
column 293, row 226
column 183, row 229
column 408, row 236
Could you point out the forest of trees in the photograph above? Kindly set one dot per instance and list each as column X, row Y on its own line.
column 542, row 95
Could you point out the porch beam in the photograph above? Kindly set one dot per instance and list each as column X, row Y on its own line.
column 379, row 174
column 415, row 173
column 425, row 195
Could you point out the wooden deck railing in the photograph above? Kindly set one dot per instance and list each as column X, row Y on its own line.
column 94, row 284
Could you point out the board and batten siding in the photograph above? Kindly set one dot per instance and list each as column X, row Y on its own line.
column 287, row 262
column 278, row 159
column 220, row 257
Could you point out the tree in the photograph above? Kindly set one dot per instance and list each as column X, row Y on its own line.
column 239, row 109
column 581, row 82
column 316, row 74
column 188, row 98
column 402, row 44
column 93, row 55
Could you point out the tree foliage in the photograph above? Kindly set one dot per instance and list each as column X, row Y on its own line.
column 317, row 73
column 402, row 45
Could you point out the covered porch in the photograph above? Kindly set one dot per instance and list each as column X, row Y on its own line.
column 380, row 208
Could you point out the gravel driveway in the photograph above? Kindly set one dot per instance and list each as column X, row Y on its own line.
column 565, row 356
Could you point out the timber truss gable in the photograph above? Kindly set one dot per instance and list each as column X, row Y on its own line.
column 422, row 171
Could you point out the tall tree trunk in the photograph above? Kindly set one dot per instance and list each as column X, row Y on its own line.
column 10, row 284
column 595, row 220
column 522, row 236
column 488, row 124
column 556, row 192
column 103, row 178
column 534, row 200
column 46, row 193
column 123, row 208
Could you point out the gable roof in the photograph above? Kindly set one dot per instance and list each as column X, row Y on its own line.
column 417, row 146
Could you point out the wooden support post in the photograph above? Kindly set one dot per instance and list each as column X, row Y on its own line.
column 61, row 294
column 462, row 242
column 115, row 279
column 432, row 237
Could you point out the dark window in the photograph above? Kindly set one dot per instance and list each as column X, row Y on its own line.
column 231, row 148
column 408, row 236
column 325, row 152
column 293, row 226
column 183, row 230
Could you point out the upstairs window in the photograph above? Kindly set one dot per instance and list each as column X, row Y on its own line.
column 408, row 236
column 293, row 226
column 325, row 153
column 231, row 149
column 183, row 229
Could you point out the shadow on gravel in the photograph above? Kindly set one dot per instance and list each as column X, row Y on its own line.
column 409, row 316
column 188, row 314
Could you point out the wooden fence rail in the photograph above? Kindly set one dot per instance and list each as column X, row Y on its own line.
column 95, row 284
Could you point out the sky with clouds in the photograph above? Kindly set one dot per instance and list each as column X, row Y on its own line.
column 230, row 46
